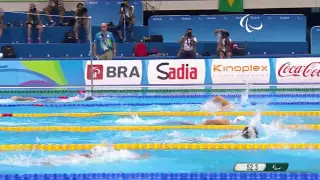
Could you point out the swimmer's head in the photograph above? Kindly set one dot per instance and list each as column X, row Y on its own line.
column 96, row 151
column 89, row 98
column 250, row 132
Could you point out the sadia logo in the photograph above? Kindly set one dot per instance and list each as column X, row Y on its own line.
column 182, row 72
column 122, row 72
column 97, row 72
column 222, row 68
column 244, row 22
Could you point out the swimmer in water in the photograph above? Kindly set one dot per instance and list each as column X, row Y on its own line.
column 224, row 103
column 31, row 99
column 99, row 151
column 18, row 98
column 96, row 152
column 217, row 121
column 249, row 132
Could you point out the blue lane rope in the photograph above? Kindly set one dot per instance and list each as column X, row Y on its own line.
column 140, row 104
column 185, row 96
column 163, row 176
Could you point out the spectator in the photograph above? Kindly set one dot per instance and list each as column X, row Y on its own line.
column 223, row 43
column 1, row 22
column 104, row 46
column 81, row 19
column 127, row 19
column 34, row 21
column 54, row 5
column 188, row 45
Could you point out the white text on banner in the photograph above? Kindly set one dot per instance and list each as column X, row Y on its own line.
column 191, row 71
column 298, row 70
column 240, row 71
column 112, row 72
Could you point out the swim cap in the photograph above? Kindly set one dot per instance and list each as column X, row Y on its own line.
column 250, row 132
column 81, row 91
column 88, row 98
column 97, row 151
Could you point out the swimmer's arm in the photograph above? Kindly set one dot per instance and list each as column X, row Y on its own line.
column 227, row 107
column 144, row 156
column 229, row 136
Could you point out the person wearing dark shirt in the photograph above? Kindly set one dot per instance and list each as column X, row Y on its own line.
column 127, row 19
column 1, row 22
column 81, row 15
column 34, row 21
column 54, row 4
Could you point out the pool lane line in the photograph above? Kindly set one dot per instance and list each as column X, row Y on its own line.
column 159, row 113
column 161, row 146
column 145, row 104
column 160, row 89
column 180, row 96
column 143, row 128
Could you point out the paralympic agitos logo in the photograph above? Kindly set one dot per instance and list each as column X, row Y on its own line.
column 183, row 72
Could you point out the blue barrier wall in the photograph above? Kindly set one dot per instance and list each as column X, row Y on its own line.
column 77, row 72
column 314, row 40
column 256, row 28
column 59, row 50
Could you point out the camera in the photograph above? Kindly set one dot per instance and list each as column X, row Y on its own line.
column 225, row 34
column 33, row 9
column 189, row 34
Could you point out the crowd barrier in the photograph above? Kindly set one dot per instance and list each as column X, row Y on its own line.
column 160, row 72
column 256, row 28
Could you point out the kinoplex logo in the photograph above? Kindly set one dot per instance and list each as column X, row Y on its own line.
column 309, row 70
column 122, row 72
column 185, row 71
column 249, row 68
column 97, row 72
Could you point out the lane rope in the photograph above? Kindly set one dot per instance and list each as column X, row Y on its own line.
column 157, row 146
column 179, row 96
column 144, row 128
column 154, row 113
column 164, row 176
column 159, row 90
column 144, row 104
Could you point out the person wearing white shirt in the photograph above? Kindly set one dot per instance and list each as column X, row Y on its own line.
column 223, row 43
column 188, row 45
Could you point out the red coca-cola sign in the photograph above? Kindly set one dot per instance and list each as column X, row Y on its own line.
column 310, row 70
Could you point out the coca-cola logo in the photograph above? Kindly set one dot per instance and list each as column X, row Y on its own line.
column 310, row 70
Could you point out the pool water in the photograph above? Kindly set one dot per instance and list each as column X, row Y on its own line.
column 159, row 160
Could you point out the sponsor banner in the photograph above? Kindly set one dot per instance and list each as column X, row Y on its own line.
column 176, row 71
column 226, row 71
column 124, row 72
column 298, row 70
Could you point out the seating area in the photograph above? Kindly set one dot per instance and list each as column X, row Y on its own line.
column 260, row 34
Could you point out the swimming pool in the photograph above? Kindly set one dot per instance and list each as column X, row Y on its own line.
column 23, row 162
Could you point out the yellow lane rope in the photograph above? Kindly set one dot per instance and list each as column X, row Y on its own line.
column 236, row 113
column 202, row 146
column 142, row 128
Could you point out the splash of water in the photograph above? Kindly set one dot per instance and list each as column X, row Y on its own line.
column 136, row 120
column 210, row 106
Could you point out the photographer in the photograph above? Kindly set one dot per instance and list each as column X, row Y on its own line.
column 223, row 43
column 1, row 22
column 188, row 45
column 81, row 15
column 127, row 19
column 33, row 21
column 55, row 5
